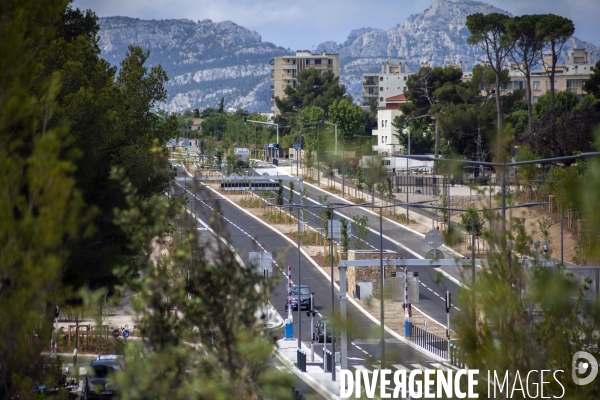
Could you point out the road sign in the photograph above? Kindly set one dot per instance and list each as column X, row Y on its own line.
column 292, row 155
column 125, row 333
column 434, row 239
column 266, row 146
column 434, row 254
column 116, row 333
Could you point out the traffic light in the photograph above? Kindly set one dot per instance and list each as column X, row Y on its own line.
column 245, row 122
column 276, row 145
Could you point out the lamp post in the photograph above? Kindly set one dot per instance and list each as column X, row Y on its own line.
column 267, row 123
column 332, row 206
column 343, row 155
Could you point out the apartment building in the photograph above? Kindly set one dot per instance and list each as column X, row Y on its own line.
column 285, row 70
column 568, row 77
column 390, row 82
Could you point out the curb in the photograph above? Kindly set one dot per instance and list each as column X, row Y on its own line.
column 351, row 300
column 310, row 381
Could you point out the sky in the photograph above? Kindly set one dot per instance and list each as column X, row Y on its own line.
column 303, row 25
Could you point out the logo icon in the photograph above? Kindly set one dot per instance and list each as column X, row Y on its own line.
column 590, row 366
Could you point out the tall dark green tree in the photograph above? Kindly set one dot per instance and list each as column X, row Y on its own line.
column 489, row 33
column 313, row 89
column 528, row 46
column 554, row 30
column 41, row 209
column 112, row 124
column 423, row 103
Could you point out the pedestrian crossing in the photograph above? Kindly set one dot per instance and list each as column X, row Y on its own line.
column 407, row 367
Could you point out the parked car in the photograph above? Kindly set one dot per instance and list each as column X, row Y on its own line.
column 303, row 300
column 99, row 383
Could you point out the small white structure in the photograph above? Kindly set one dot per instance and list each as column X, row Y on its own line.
column 242, row 153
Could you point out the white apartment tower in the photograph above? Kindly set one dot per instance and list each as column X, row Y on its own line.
column 390, row 82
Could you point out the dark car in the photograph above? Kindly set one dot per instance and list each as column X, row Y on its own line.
column 320, row 330
column 303, row 301
column 100, row 382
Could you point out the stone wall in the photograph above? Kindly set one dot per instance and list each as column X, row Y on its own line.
column 368, row 274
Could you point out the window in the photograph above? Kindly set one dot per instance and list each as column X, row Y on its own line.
column 381, row 88
column 405, row 78
column 330, row 61
column 318, row 61
column 381, row 78
column 574, row 83
column 536, row 85
column 308, row 62
column 370, row 90
column 381, row 99
column 534, row 100
column 294, row 62
column 385, row 162
column 382, row 124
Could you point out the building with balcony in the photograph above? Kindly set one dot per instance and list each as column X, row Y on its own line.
column 285, row 70
column 568, row 77
column 378, row 87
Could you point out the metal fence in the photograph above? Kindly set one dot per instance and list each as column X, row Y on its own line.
column 437, row 346
column 430, row 185
column 429, row 341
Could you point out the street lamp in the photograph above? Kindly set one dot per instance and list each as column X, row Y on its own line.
column 266, row 123
column 343, row 155
column 372, row 169
column 331, row 206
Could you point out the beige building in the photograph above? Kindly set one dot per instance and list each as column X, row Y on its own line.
column 285, row 70
column 568, row 77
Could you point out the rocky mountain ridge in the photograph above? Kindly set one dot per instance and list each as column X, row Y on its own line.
column 206, row 60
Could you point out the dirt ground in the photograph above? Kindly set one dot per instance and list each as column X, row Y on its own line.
column 532, row 215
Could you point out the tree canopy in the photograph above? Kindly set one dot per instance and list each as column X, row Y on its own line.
column 313, row 89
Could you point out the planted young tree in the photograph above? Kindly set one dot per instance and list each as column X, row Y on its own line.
column 361, row 231
column 345, row 240
column 291, row 197
column 517, row 318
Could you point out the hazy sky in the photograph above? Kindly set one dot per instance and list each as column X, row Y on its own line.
column 303, row 25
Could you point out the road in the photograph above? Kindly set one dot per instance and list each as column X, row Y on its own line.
column 247, row 234
column 433, row 285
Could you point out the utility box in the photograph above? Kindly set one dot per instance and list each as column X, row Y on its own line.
column 413, row 287
column 242, row 153
column 364, row 290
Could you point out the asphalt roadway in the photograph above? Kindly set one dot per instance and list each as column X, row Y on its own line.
column 246, row 234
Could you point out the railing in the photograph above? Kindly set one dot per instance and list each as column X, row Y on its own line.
column 437, row 346
column 430, row 342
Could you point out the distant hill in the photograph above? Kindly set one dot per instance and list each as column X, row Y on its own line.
column 206, row 60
